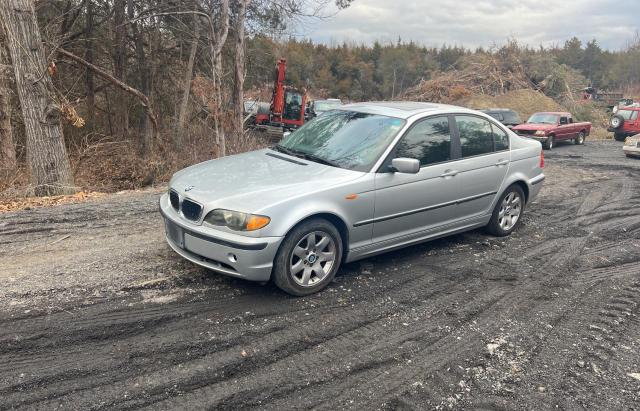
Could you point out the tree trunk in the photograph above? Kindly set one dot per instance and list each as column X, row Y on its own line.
column 238, row 85
column 46, row 153
column 7, row 147
column 184, row 105
column 219, row 38
column 146, row 140
column 119, row 60
column 89, row 57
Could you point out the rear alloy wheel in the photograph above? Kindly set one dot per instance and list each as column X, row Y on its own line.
column 548, row 145
column 508, row 212
column 579, row 140
column 309, row 258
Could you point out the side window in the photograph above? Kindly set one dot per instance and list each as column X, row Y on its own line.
column 476, row 135
column 429, row 141
column 634, row 115
column 500, row 138
column 564, row 120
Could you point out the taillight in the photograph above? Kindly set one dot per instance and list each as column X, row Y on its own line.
column 541, row 159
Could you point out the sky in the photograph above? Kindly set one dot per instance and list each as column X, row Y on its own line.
column 474, row 23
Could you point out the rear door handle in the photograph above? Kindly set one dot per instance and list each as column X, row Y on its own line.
column 502, row 163
column 449, row 173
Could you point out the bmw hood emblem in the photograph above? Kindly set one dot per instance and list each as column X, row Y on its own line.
column 188, row 188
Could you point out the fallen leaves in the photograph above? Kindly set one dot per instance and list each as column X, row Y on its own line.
column 27, row 203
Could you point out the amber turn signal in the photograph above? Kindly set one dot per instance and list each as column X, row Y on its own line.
column 351, row 197
column 256, row 222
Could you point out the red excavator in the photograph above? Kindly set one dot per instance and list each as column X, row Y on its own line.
column 287, row 108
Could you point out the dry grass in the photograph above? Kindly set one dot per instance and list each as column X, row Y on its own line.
column 524, row 102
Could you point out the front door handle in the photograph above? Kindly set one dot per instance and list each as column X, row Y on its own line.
column 449, row 173
column 502, row 163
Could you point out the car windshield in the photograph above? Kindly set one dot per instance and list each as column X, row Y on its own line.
column 542, row 118
column 346, row 139
column 625, row 114
column 326, row 105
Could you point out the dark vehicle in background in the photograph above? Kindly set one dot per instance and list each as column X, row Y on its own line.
column 625, row 123
column 504, row 115
column 551, row 127
column 318, row 107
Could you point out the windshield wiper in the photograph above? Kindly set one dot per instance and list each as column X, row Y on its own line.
column 313, row 157
column 285, row 150
column 304, row 155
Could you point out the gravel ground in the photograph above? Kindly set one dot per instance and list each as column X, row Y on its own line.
column 96, row 312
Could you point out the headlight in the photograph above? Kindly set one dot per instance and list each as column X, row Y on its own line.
column 539, row 133
column 236, row 220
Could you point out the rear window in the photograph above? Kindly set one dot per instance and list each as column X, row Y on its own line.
column 476, row 135
column 511, row 117
column 628, row 114
column 497, row 116
column 500, row 138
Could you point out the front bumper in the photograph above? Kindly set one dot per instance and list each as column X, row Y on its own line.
column 250, row 258
column 631, row 150
column 542, row 139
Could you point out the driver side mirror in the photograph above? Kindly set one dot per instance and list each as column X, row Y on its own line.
column 405, row 165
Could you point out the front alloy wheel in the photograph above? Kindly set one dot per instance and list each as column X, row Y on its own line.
column 548, row 145
column 308, row 258
column 579, row 139
column 312, row 259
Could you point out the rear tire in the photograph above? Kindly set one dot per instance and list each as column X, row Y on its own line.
column 579, row 140
column 510, row 206
column 308, row 258
column 616, row 121
column 548, row 145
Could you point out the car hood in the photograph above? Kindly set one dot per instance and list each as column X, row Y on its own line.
column 534, row 127
column 251, row 181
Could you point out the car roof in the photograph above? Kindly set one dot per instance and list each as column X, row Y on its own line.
column 497, row 110
column 402, row 109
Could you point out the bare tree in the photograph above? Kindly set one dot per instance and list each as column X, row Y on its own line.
column 144, row 100
column 89, row 44
column 239, row 73
column 46, row 152
column 188, row 75
column 119, row 62
column 219, row 38
column 7, row 147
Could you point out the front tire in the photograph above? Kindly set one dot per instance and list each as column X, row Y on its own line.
column 548, row 145
column 579, row 140
column 507, row 215
column 309, row 258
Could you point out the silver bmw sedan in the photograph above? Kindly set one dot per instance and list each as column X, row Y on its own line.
column 360, row 180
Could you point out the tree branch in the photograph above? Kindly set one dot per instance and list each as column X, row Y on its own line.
column 144, row 100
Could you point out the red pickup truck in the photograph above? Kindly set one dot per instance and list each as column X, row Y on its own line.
column 551, row 127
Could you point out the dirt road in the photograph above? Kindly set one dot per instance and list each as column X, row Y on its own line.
column 97, row 313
